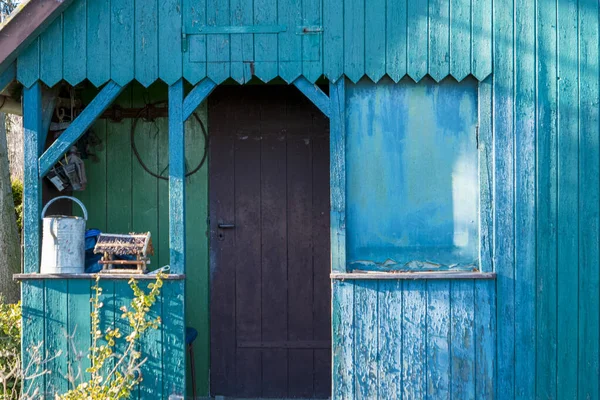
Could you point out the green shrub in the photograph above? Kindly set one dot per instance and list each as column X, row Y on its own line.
column 10, row 350
column 17, row 191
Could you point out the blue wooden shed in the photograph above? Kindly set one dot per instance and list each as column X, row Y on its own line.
column 401, row 198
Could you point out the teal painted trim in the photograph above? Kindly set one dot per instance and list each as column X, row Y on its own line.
column 226, row 30
column 390, row 314
column 122, row 48
column 174, row 358
column 196, row 96
column 8, row 76
column 485, row 337
column 315, row 95
column 333, row 39
column 337, row 143
column 146, row 42
column 32, row 197
column 366, row 339
column 486, row 177
column 438, row 339
column 81, row 124
column 32, row 338
column 176, row 179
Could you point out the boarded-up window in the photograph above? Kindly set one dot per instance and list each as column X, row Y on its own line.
column 412, row 175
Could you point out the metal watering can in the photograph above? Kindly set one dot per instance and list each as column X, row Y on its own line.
column 63, row 241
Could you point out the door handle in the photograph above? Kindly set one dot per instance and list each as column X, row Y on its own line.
column 226, row 226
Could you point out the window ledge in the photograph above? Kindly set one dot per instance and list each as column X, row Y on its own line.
column 412, row 275
column 30, row 277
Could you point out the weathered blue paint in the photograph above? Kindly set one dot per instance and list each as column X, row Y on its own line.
column 176, row 178
column 411, row 151
column 56, row 315
column 147, row 41
column 81, row 124
column 413, row 339
column 32, row 195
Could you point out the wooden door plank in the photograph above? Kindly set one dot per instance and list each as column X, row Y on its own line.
column 248, row 273
column 222, row 259
column 321, row 257
column 300, row 263
column 274, row 252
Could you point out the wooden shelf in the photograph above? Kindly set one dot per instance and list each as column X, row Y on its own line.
column 412, row 275
column 29, row 277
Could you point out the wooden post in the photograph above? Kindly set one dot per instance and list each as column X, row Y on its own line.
column 337, row 94
column 176, row 178
column 32, row 196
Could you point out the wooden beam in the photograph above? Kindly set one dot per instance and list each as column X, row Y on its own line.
column 31, row 18
column 8, row 76
column 32, row 195
column 81, row 124
column 176, row 178
column 444, row 275
column 337, row 149
column 198, row 94
column 314, row 94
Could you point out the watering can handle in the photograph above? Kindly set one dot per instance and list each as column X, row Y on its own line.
column 85, row 214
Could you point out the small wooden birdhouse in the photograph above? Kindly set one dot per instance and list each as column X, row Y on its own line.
column 124, row 253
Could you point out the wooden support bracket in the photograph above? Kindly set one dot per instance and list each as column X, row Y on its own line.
column 314, row 94
column 198, row 94
column 81, row 124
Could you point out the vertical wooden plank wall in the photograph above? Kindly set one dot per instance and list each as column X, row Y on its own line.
column 60, row 324
column 413, row 339
column 141, row 202
column 125, row 39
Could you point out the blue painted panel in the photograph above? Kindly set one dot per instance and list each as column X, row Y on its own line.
column 414, row 339
column 412, row 180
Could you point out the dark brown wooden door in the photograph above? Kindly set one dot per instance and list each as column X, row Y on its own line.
column 270, row 253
